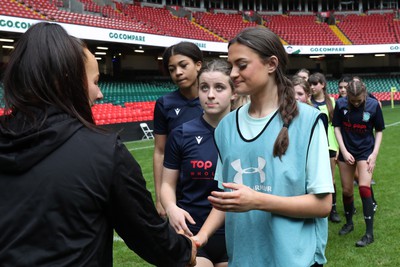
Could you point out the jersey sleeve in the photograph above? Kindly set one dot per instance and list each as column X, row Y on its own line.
column 160, row 119
column 319, row 176
column 336, row 120
column 379, row 121
column 173, row 149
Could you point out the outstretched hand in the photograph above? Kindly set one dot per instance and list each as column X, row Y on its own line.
column 241, row 198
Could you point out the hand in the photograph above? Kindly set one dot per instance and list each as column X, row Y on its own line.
column 371, row 161
column 161, row 210
column 348, row 158
column 240, row 199
column 193, row 255
column 177, row 219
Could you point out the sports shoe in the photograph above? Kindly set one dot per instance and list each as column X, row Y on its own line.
column 365, row 240
column 347, row 228
column 334, row 217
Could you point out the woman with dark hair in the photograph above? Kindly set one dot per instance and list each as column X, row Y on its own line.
column 273, row 164
column 321, row 100
column 65, row 184
column 183, row 62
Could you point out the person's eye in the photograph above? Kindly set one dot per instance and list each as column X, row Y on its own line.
column 242, row 66
column 204, row 88
column 220, row 88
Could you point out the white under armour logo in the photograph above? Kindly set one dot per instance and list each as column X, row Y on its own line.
column 198, row 139
column 177, row 110
column 237, row 166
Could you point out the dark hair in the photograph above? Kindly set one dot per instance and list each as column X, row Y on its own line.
column 47, row 68
column 218, row 65
column 344, row 79
column 320, row 78
column 266, row 44
column 187, row 49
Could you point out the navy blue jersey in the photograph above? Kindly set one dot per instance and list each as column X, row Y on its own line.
column 191, row 149
column 173, row 109
column 357, row 124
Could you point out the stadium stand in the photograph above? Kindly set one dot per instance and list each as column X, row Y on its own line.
column 302, row 30
column 126, row 102
column 224, row 25
column 369, row 29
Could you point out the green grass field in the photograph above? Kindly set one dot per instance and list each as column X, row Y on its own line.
column 341, row 250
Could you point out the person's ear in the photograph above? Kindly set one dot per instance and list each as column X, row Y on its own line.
column 272, row 64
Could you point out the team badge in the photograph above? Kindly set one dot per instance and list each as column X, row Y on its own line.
column 366, row 116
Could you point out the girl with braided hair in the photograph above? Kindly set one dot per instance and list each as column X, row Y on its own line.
column 273, row 164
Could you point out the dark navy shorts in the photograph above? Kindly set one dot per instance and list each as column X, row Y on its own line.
column 361, row 155
column 214, row 250
column 332, row 153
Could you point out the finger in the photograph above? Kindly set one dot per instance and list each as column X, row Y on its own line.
column 232, row 186
column 189, row 219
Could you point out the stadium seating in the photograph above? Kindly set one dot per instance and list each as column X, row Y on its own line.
column 302, row 30
column 369, row 29
column 224, row 25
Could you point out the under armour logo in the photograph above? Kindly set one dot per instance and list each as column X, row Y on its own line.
column 237, row 166
column 198, row 139
column 177, row 110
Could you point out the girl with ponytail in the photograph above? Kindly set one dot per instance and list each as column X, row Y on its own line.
column 273, row 164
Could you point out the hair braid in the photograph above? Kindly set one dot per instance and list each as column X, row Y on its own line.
column 288, row 111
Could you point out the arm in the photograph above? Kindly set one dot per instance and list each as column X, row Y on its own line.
column 214, row 221
column 349, row 159
column 372, row 158
column 158, row 159
column 243, row 198
column 136, row 220
column 177, row 217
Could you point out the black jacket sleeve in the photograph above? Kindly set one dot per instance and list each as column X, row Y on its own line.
column 136, row 219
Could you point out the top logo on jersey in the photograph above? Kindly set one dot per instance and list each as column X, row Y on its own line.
column 177, row 110
column 198, row 139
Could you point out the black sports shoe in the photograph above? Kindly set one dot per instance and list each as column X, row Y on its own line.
column 365, row 240
column 334, row 216
column 347, row 228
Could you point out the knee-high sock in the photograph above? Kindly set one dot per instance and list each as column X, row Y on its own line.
column 368, row 208
column 348, row 203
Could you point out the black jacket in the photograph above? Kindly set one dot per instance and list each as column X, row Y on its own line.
column 64, row 189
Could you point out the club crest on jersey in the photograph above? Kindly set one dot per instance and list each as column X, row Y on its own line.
column 366, row 116
column 198, row 139
column 237, row 166
column 177, row 110
column 345, row 112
